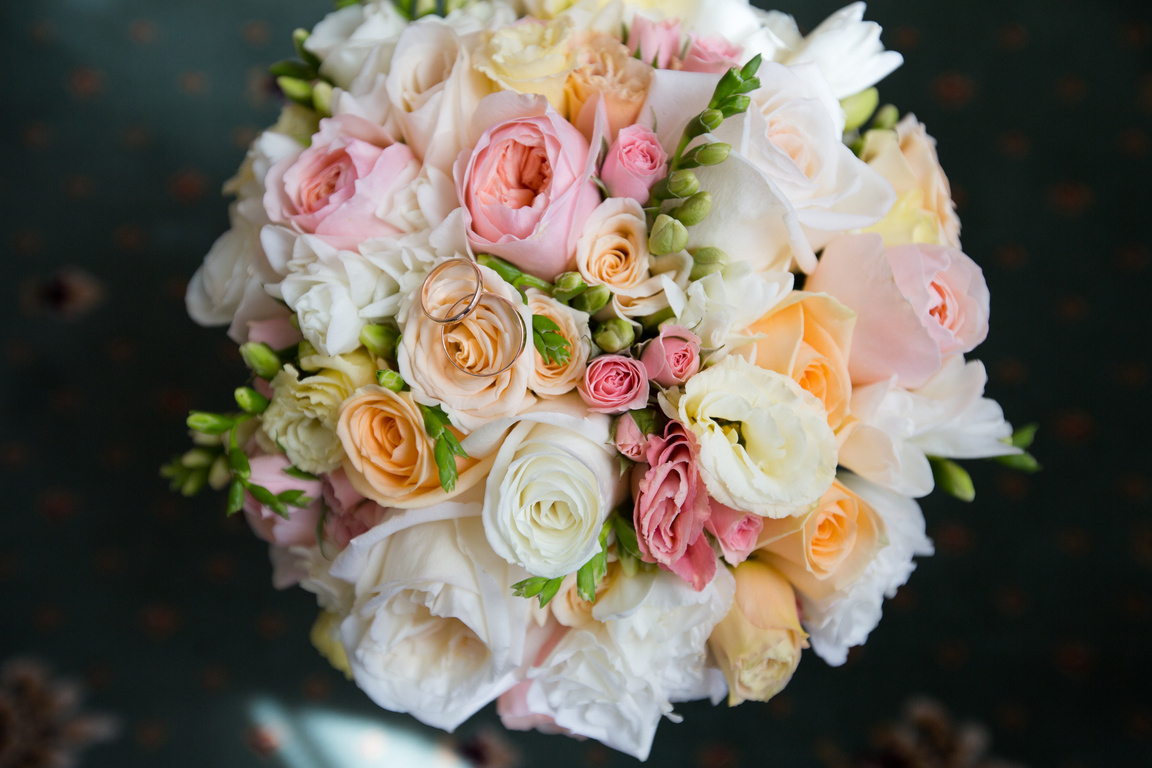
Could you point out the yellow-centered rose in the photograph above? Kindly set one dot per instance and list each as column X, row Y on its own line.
column 530, row 56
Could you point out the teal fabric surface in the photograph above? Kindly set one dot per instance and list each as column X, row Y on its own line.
column 122, row 118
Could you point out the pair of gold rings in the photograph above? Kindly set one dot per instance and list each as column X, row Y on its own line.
column 452, row 294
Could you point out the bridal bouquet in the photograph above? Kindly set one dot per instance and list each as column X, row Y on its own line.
column 599, row 350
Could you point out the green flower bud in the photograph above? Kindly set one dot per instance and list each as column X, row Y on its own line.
column 859, row 107
column 592, row 300
column 683, row 184
column 299, row 37
column 694, row 210
column 668, row 236
column 886, row 118
column 1021, row 462
column 238, row 462
column 615, row 335
column 299, row 91
column 953, row 479
column 195, row 482
column 712, row 154
column 305, row 349
column 322, row 98
column 262, row 359
column 197, row 458
column 219, row 474
column 707, row 260
column 390, row 380
column 727, row 86
column 250, row 401
column 568, row 286
column 209, row 423
column 706, row 122
column 380, row 340
column 751, row 68
column 653, row 321
column 735, row 105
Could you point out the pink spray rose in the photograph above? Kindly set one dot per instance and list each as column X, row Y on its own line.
column 656, row 41
column 614, row 384
column 527, row 185
column 673, row 357
column 712, row 54
column 635, row 162
column 349, row 513
column 299, row 528
column 343, row 185
column 736, row 531
column 915, row 305
column 672, row 508
column 630, row 439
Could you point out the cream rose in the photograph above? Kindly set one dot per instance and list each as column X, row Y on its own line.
column 606, row 68
column 550, row 489
column 530, row 56
column 807, row 337
column 477, row 343
column 303, row 412
column 827, row 550
column 556, row 378
column 388, row 456
column 924, row 212
column 765, row 444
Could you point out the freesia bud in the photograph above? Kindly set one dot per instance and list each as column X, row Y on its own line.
column 712, row 154
column 299, row 91
column 380, row 340
column 322, row 98
column 694, row 210
column 886, row 118
column 220, row 474
column 683, row 184
column 592, row 300
column 209, row 423
column 758, row 643
column 735, row 105
column 262, row 359
column 568, row 286
column 859, row 107
column 197, row 458
column 615, row 335
column 707, row 260
column 390, row 380
column 668, row 236
column 953, row 479
column 251, row 401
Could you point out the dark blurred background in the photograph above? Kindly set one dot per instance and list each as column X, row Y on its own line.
column 121, row 120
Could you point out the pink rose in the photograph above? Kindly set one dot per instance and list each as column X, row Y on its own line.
column 614, row 384
column 672, row 357
column 672, row 508
column 349, row 513
column 915, row 304
column 736, row 531
column 516, row 714
column 527, row 186
column 299, row 528
column 342, row 186
column 657, row 42
column 635, row 162
column 713, row 55
column 277, row 332
column 630, row 439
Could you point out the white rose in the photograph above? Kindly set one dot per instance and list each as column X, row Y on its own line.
column 663, row 624
column 845, row 618
column 793, row 134
column 550, row 490
column 899, row 428
column 765, row 444
column 346, row 37
column 435, row 630
column 215, row 291
column 303, row 412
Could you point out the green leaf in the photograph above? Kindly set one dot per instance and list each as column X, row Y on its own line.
column 238, row 462
column 549, row 342
column 447, row 447
column 546, row 589
column 625, row 536
column 590, row 574
column 268, row 499
column 235, row 497
column 513, row 276
column 446, row 464
column 299, row 474
column 294, row 498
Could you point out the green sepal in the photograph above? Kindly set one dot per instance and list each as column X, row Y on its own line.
column 546, row 589
column 549, row 342
column 239, row 465
column 235, row 497
column 952, row 478
column 299, row 37
column 626, row 541
column 299, row 474
column 294, row 498
column 750, row 69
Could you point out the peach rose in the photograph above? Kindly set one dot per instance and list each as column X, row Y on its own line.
column 527, row 186
column 388, row 455
column 915, row 305
column 556, row 378
column 826, row 550
column 478, row 343
column 613, row 251
column 342, row 186
column 807, row 337
column 758, row 643
column 608, row 70
column 925, row 212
